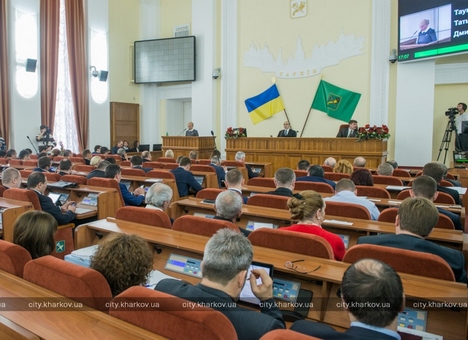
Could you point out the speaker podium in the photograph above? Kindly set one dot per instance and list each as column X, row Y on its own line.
column 182, row 145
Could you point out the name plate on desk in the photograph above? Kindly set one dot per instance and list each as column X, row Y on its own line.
column 184, row 265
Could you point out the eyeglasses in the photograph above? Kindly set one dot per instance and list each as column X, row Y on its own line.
column 298, row 269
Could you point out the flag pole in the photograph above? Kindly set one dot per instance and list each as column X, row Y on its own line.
column 305, row 122
column 287, row 118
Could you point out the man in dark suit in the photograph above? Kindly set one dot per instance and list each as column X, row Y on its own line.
column 426, row 35
column 137, row 162
column 43, row 164
column 228, row 207
column 116, row 147
column 100, row 171
column 220, row 170
column 37, row 182
column 316, row 174
column 190, row 130
column 365, row 281
column 436, row 171
column 415, row 220
column 137, row 197
column 285, row 179
column 287, row 131
column 226, row 261
column 87, row 155
column 235, row 181
column 184, row 178
column 425, row 186
column 350, row 131
column 240, row 157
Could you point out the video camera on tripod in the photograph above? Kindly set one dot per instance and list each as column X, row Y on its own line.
column 451, row 113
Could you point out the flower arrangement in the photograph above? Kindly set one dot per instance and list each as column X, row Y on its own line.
column 234, row 133
column 62, row 149
column 375, row 132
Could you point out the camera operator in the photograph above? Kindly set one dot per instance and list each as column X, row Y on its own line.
column 45, row 140
column 462, row 116
column 462, row 136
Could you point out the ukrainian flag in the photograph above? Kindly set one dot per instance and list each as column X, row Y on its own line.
column 264, row 105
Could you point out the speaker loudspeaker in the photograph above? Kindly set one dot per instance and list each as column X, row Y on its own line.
column 103, row 75
column 31, row 65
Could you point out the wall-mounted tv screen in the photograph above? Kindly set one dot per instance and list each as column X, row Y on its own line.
column 431, row 28
column 164, row 60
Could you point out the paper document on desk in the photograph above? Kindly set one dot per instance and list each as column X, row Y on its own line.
column 155, row 276
column 79, row 211
column 396, row 187
column 460, row 190
column 82, row 257
column 338, row 222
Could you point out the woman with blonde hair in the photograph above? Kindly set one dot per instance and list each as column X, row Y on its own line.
column 169, row 154
column 124, row 260
column 344, row 167
column 308, row 208
column 34, row 230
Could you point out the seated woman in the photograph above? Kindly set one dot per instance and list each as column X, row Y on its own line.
column 362, row 177
column 124, row 260
column 34, row 230
column 343, row 167
column 169, row 154
column 308, row 208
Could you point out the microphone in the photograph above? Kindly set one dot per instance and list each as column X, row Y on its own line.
column 183, row 131
column 415, row 32
column 214, row 140
column 32, row 145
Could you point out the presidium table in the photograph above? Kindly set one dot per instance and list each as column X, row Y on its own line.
column 287, row 152
column 281, row 152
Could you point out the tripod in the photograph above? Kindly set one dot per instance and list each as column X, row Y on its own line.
column 446, row 140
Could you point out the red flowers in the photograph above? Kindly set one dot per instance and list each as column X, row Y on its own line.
column 374, row 132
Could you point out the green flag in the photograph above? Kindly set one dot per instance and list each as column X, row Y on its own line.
column 335, row 101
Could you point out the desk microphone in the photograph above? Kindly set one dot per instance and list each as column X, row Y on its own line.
column 32, row 144
column 183, row 131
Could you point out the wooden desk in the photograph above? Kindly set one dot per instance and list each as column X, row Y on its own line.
column 154, row 154
column 451, row 324
column 287, row 152
column 12, row 209
column 75, row 323
column 182, row 145
column 282, row 218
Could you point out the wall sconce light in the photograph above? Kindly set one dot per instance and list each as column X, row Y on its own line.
column 216, row 73
column 101, row 74
column 393, row 56
column 31, row 65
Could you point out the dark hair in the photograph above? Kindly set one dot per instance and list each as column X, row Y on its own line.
column 463, row 105
column 352, row 121
column 303, row 164
column 424, row 186
column 86, row 153
column 434, row 170
column 362, row 177
column 10, row 153
column 393, row 163
column 111, row 160
column 43, row 162
column 67, row 153
column 234, row 177
column 316, row 170
column 104, row 150
column 284, row 176
column 35, row 178
column 124, row 260
column 23, row 153
column 42, row 154
column 373, row 292
column 97, row 147
column 184, row 161
column 418, row 215
column 112, row 170
column 2, row 153
column 136, row 160
column 34, row 230
column 65, row 165
column 135, row 144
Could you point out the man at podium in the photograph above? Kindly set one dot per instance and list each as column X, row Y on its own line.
column 190, row 130
column 287, row 131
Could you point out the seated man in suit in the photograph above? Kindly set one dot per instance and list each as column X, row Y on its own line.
column 137, row 197
column 65, row 167
column 11, row 178
column 436, row 171
column 190, row 130
column 184, row 178
column 416, row 218
column 350, row 130
column 226, row 260
column 365, row 281
column 146, row 156
column 136, row 163
column 158, row 197
column 43, row 164
column 303, row 164
column 240, row 157
column 228, row 207
column 285, row 179
column 235, row 181
column 345, row 191
column 454, row 182
column 220, row 170
column 287, row 131
column 37, row 182
column 316, row 174
column 100, row 171
column 116, row 147
column 87, row 155
column 425, row 186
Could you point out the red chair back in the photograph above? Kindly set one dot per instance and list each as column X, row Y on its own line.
column 401, row 173
column 201, row 167
column 201, row 225
column 389, row 180
column 316, row 186
column 160, row 174
column 15, row 162
column 335, row 176
column 262, row 182
column 83, row 167
column 166, row 160
column 106, row 183
column 209, row 193
column 77, row 160
column 30, row 162
column 199, row 322
column 170, row 166
column 363, row 190
column 153, row 217
column 327, row 168
column 76, row 282
column 75, row 179
column 300, row 173
column 125, row 163
column 154, row 165
column 25, row 173
column 133, row 172
column 402, row 260
column 13, row 258
column 270, row 201
column 347, row 210
column 294, row 242
column 52, row 177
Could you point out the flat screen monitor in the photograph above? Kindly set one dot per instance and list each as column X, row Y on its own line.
column 431, row 28
column 165, row 60
column 144, row 147
column 157, row 147
column 200, row 179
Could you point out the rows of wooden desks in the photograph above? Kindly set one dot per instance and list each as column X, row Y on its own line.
column 22, row 317
column 324, row 282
